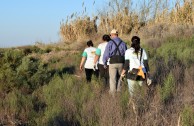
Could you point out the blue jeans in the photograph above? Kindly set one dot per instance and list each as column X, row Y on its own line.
column 132, row 84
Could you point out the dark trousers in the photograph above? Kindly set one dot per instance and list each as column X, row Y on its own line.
column 104, row 74
column 89, row 73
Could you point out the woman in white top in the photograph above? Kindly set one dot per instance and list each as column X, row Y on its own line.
column 103, row 72
column 88, row 58
column 135, row 57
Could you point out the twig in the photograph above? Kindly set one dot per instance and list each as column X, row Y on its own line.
column 165, row 120
column 179, row 121
column 77, row 76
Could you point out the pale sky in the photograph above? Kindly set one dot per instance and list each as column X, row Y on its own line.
column 24, row 22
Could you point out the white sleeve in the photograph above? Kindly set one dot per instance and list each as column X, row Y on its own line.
column 145, row 57
column 127, row 55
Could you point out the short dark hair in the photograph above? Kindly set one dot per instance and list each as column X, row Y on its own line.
column 89, row 43
column 106, row 38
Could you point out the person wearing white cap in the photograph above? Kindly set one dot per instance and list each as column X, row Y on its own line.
column 115, row 51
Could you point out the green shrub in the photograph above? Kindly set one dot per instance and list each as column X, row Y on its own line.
column 124, row 100
column 55, row 94
column 69, row 99
column 13, row 57
column 167, row 89
column 187, row 116
column 36, row 49
column 48, row 49
column 180, row 49
column 33, row 73
column 19, row 107
column 7, row 78
column 26, row 70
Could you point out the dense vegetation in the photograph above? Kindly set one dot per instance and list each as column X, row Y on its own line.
column 42, row 85
column 39, row 89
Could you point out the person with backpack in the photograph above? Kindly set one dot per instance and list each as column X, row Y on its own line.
column 115, row 51
column 136, row 65
column 103, row 73
column 88, row 61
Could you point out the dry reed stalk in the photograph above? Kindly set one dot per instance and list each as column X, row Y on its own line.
column 183, row 14
column 179, row 121
column 79, row 29
column 121, row 21
column 163, row 17
column 119, row 15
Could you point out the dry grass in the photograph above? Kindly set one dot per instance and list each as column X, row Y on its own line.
column 79, row 29
column 155, row 35
column 152, row 21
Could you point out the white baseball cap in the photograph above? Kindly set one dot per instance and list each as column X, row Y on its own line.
column 114, row 31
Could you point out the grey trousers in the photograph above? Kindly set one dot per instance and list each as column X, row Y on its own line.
column 114, row 75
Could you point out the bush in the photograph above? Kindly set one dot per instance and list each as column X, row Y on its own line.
column 70, row 101
column 33, row 73
column 13, row 57
column 167, row 89
column 180, row 49
column 19, row 107
column 187, row 116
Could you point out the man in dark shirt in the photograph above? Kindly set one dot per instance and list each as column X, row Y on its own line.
column 115, row 50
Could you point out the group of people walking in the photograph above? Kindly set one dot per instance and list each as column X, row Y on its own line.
column 111, row 61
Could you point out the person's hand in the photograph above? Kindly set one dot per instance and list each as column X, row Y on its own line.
column 122, row 77
column 81, row 67
column 94, row 67
column 105, row 66
column 149, row 81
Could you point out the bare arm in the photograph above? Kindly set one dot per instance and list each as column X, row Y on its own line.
column 123, row 73
column 82, row 63
column 96, row 59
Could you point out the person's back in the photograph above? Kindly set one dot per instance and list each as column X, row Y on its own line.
column 135, row 60
column 115, row 50
column 102, row 47
column 103, row 72
column 90, row 57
